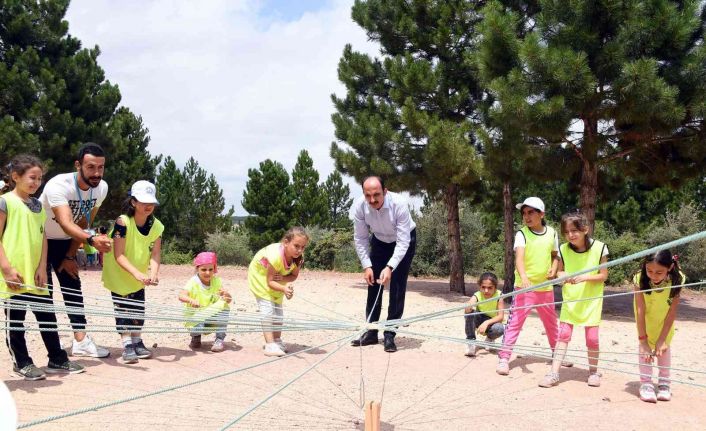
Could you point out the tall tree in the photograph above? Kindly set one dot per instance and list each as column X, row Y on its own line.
column 268, row 200
column 54, row 96
column 621, row 82
column 309, row 206
column 192, row 205
column 409, row 116
column 339, row 201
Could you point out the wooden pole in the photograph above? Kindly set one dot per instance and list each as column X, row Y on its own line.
column 368, row 416
column 376, row 407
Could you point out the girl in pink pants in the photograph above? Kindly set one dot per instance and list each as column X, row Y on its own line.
column 536, row 250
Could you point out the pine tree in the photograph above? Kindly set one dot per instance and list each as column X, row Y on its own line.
column 268, row 200
column 409, row 116
column 339, row 201
column 609, row 82
column 309, row 207
column 54, row 97
column 191, row 205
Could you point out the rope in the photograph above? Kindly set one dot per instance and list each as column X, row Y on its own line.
column 283, row 387
column 166, row 389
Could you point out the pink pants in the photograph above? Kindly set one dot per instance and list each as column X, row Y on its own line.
column 566, row 329
column 518, row 316
column 663, row 361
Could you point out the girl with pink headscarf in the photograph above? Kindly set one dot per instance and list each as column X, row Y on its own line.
column 206, row 303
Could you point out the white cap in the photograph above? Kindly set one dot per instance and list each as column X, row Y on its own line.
column 2, row 184
column 145, row 192
column 533, row 202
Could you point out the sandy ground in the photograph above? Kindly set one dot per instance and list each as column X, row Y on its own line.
column 427, row 385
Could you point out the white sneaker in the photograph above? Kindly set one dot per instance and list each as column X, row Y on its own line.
column 471, row 350
column 647, row 393
column 272, row 349
column 663, row 393
column 88, row 348
column 281, row 344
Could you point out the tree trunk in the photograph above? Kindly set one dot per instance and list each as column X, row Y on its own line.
column 456, row 282
column 589, row 188
column 509, row 230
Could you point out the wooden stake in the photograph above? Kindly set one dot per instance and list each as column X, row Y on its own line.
column 368, row 416
column 376, row 407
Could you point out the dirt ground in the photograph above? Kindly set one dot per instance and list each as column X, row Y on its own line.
column 427, row 385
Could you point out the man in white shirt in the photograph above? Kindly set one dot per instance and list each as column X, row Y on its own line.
column 385, row 240
column 71, row 201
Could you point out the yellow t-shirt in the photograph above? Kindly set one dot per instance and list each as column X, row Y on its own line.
column 657, row 304
column 489, row 308
column 273, row 255
column 210, row 303
column 23, row 240
column 538, row 257
column 582, row 313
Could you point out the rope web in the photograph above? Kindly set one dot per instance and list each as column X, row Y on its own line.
column 264, row 376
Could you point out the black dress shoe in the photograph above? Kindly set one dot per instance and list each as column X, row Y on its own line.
column 366, row 339
column 390, row 344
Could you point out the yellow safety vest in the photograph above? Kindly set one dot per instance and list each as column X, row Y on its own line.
column 538, row 256
column 657, row 304
column 257, row 272
column 489, row 308
column 23, row 240
column 138, row 250
column 582, row 313
column 210, row 303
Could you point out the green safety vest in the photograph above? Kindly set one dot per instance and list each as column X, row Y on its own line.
column 23, row 240
column 583, row 313
column 138, row 250
column 657, row 304
column 489, row 308
column 210, row 303
column 538, row 256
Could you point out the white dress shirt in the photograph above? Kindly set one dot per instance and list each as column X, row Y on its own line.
column 392, row 223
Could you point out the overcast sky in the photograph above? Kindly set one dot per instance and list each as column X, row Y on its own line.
column 231, row 83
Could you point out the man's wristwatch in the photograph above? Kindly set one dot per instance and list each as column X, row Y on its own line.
column 69, row 258
column 89, row 240
column 391, row 268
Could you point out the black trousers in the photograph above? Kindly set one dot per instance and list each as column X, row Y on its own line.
column 70, row 287
column 129, row 311
column 15, row 337
column 380, row 254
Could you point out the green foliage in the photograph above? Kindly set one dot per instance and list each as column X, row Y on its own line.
column 232, row 247
column 268, row 200
column 310, row 201
column 172, row 254
column 619, row 245
column 331, row 249
column 54, row 97
column 192, row 205
column 339, row 201
column 679, row 224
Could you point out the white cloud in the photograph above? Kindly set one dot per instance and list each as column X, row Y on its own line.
column 222, row 81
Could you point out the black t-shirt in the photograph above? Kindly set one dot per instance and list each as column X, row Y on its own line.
column 121, row 231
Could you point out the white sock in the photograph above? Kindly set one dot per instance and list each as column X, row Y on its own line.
column 136, row 340
column 126, row 340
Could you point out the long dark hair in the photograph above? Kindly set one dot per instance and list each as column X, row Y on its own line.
column 666, row 259
column 19, row 165
column 577, row 220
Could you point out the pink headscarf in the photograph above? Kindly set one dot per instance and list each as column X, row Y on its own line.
column 205, row 258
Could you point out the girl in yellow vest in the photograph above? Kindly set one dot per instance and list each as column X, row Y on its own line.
column 133, row 264
column 536, row 250
column 23, row 261
column 206, row 303
column 269, row 275
column 579, row 253
column 655, row 312
column 489, row 315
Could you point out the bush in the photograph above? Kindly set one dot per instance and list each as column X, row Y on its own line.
column 677, row 225
column 231, row 247
column 171, row 255
column 330, row 249
column 619, row 246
